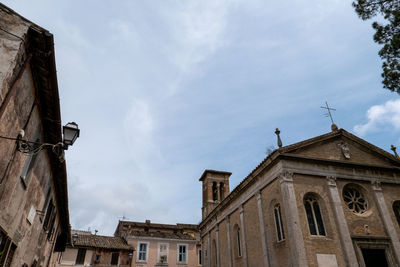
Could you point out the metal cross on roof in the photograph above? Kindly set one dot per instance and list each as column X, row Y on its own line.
column 329, row 111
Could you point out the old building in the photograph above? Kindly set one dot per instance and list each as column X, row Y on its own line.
column 88, row 249
column 34, row 218
column 162, row 244
column 333, row 200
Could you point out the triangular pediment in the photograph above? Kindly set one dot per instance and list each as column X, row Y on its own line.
column 342, row 146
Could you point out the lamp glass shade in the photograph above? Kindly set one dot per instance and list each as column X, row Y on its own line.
column 71, row 133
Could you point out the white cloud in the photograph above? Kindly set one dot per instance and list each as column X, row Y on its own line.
column 381, row 116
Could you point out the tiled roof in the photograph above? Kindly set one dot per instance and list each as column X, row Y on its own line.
column 178, row 226
column 104, row 242
column 159, row 234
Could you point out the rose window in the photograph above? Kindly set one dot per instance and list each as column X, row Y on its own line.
column 354, row 200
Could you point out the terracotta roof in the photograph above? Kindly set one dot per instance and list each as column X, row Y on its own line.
column 103, row 242
column 178, row 226
column 159, row 234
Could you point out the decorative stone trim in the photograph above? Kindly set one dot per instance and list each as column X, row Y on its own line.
column 286, row 177
column 331, row 180
column 376, row 185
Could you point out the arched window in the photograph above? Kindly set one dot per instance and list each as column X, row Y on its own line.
column 238, row 241
column 396, row 210
column 278, row 223
column 214, row 191
column 215, row 253
column 314, row 216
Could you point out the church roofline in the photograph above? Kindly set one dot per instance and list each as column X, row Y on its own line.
column 282, row 152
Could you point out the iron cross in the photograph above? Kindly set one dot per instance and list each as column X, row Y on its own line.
column 329, row 111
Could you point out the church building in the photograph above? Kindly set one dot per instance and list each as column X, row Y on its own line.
column 332, row 200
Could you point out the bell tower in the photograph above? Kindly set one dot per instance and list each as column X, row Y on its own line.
column 215, row 189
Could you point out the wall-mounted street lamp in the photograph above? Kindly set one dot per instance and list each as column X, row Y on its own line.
column 74, row 238
column 70, row 134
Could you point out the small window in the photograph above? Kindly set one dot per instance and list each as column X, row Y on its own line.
column 4, row 245
column 80, row 257
column 239, row 245
column 396, row 210
column 27, row 170
column 163, row 253
column 182, row 253
column 199, row 253
column 214, row 191
column 10, row 255
column 114, row 258
column 97, row 258
column 49, row 215
column 278, row 223
column 314, row 216
column 142, row 254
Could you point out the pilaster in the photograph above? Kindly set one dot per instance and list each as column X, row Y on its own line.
column 228, row 233
column 217, row 241
column 262, row 229
column 387, row 220
column 340, row 219
column 242, row 228
column 297, row 250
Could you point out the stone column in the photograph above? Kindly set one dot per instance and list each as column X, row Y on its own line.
column 217, row 244
column 243, row 236
column 218, row 192
column 262, row 229
column 296, row 242
column 228, row 233
column 340, row 219
column 387, row 220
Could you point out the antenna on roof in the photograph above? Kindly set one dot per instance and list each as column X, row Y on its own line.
column 329, row 114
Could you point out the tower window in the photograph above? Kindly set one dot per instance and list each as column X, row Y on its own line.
column 221, row 191
column 214, row 191
column 314, row 216
column 278, row 223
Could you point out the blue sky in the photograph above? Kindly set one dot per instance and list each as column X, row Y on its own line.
column 165, row 89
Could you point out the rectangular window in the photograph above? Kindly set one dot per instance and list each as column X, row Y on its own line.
column 182, row 253
column 114, row 258
column 163, row 253
column 80, row 257
column 27, row 170
column 142, row 254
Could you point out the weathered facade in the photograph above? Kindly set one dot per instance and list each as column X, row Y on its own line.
column 162, row 244
column 333, row 200
column 34, row 218
column 95, row 250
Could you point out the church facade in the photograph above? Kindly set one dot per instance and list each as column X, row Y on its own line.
column 333, row 200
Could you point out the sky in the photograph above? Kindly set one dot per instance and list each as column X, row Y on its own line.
column 163, row 90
